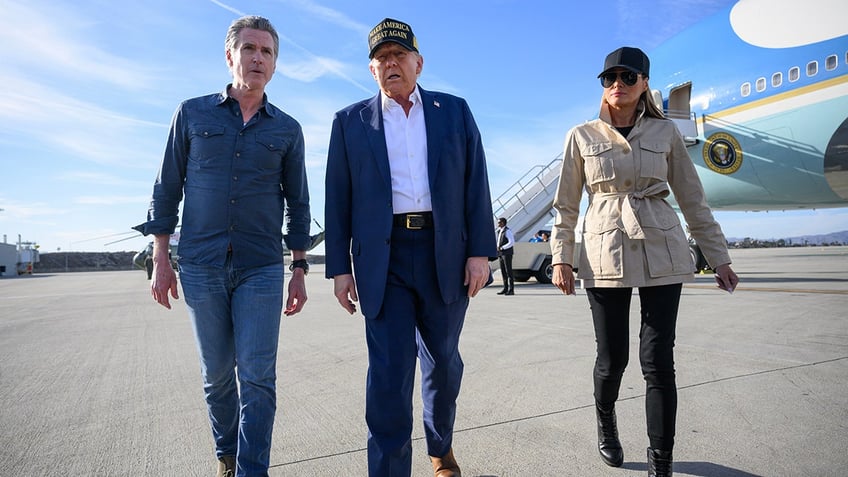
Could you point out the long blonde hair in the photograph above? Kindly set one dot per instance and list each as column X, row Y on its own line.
column 651, row 108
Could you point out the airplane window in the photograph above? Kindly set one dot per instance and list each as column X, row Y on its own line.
column 830, row 63
column 794, row 73
column 812, row 68
column 761, row 84
column 746, row 89
column 777, row 79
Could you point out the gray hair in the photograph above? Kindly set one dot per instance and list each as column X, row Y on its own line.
column 254, row 23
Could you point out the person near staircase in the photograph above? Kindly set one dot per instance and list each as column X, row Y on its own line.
column 506, row 242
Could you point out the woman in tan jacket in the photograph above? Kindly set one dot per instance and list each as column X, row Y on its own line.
column 628, row 160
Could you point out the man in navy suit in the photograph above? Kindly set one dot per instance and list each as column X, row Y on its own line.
column 408, row 201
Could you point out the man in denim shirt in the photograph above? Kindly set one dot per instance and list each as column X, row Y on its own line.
column 239, row 163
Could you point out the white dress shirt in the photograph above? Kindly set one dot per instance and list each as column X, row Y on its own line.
column 510, row 238
column 406, row 143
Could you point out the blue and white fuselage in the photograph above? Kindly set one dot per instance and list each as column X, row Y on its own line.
column 761, row 92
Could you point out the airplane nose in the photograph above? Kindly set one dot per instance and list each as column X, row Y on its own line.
column 836, row 161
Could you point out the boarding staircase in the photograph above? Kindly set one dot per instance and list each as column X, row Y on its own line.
column 528, row 203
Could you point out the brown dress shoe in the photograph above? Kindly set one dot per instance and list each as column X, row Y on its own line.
column 445, row 466
column 227, row 466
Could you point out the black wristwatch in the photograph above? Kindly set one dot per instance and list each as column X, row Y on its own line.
column 302, row 263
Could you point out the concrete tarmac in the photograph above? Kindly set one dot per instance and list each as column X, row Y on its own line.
column 98, row 380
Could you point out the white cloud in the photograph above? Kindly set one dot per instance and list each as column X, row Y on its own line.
column 329, row 15
column 309, row 70
column 57, row 42
column 112, row 199
column 85, row 129
column 306, row 70
column 646, row 28
column 13, row 210
column 228, row 8
column 334, row 67
column 111, row 180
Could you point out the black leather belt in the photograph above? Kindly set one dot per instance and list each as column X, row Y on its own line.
column 414, row 220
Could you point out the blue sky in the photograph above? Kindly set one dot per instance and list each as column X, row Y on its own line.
column 89, row 88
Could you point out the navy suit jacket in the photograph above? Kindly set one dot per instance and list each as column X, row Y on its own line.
column 358, row 208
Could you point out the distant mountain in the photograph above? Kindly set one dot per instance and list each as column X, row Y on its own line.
column 833, row 237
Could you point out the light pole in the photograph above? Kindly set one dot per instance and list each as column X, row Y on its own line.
column 59, row 249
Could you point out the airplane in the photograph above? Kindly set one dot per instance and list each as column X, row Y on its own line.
column 760, row 92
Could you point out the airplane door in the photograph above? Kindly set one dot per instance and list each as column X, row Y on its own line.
column 717, row 151
column 680, row 111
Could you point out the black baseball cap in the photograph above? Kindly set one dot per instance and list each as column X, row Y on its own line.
column 628, row 57
column 391, row 30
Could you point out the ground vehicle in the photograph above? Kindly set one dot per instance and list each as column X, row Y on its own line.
column 533, row 259
column 527, row 207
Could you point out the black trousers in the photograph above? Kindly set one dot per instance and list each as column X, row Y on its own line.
column 611, row 317
column 505, row 262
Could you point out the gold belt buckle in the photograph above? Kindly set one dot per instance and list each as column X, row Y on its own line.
column 414, row 222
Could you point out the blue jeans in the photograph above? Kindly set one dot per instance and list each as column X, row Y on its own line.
column 235, row 314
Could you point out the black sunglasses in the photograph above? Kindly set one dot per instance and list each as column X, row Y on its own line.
column 627, row 77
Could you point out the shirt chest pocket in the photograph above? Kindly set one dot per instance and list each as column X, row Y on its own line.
column 654, row 157
column 270, row 151
column 598, row 162
column 208, row 143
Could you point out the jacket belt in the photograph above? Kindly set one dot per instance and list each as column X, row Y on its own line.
column 630, row 206
column 414, row 220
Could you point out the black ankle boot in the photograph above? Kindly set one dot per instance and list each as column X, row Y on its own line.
column 659, row 463
column 608, row 444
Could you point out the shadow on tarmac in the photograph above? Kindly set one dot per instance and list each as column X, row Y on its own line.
column 697, row 469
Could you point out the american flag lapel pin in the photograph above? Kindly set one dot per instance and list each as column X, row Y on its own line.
column 436, row 104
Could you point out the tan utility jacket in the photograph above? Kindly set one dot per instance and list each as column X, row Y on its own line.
column 631, row 235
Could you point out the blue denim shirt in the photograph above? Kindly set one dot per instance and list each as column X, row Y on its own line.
column 239, row 182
